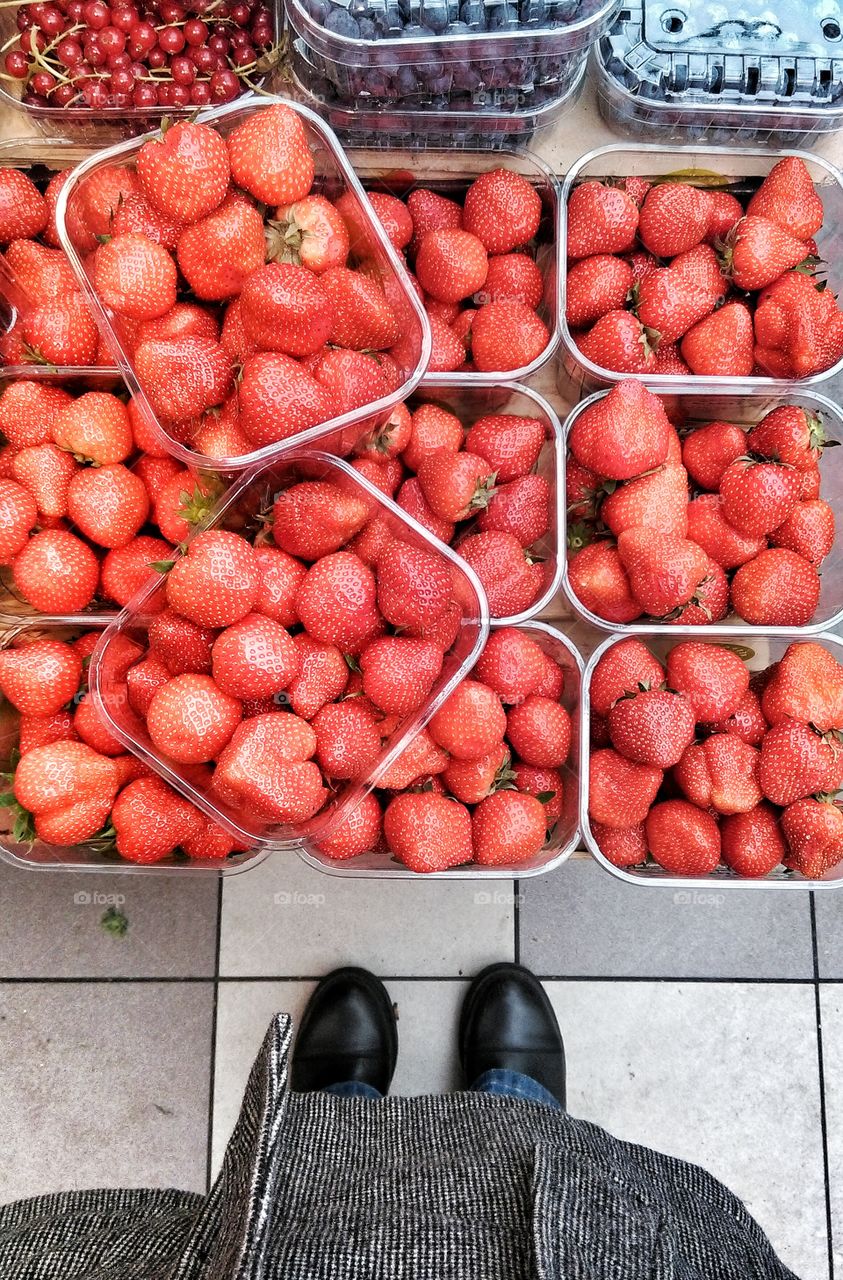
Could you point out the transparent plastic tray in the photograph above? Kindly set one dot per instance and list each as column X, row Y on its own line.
column 248, row 495
column 85, row 856
column 565, row 837
column 699, row 406
column 334, row 175
column 755, row 75
column 742, row 171
column 768, row 647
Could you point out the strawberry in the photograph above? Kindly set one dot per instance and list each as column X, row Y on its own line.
column 23, row 210
column 143, row 680
column 348, row 740
column 787, row 196
column 811, row 483
column 720, row 773
column 708, row 527
column 621, row 669
column 502, row 209
column 108, row 504
column 789, row 434
column 151, row 821
column 315, row 517
column 270, row 156
column 210, row 842
column 658, row 500
column 27, row 410
column 451, row 265
column 414, row 586
column 620, row 342
column 337, row 601
column 431, row 212
column 284, row 308
column 709, row 450
column 362, row 317
column 157, row 472
column 752, row 842
column 102, row 193
column 185, row 173
column 135, row 277
column 56, row 572
column 46, row 472
column 622, row 434
column 18, row 513
column 267, row 768
column 391, row 213
column 433, row 428
column 600, row 219
column 512, row 664
column 184, row 320
column 217, row 255
column 808, row 530
column 508, row 827
column 652, row 726
column 471, row 723
column 255, row 658
column 521, row 507
column 389, row 439
column 674, row 218
column 798, row 327
column 712, row 678
column 813, row 830
column 281, row 577
column 621, row 846
column 539, row 731
column 44, row 275
column 758, row 251
column 62, row 332
column 778, row 588
column 40, row 678
column 507, row 336
column 322, row 676
column 510, row 444
column 411, row 499
column 595, row 286
column 190, row 719
column 512, row 277
column 126, row 569
column 428, row 832
column 709, row 603
column 279, row 399
column 669, row 361
column 546, row 785
column 182, row 502
column 68, row 787
column 399, row 672
column 455, row 485
column 216, row 581
column 470, row 781
column 92, row 727
column 358, row 831
column 674, row 298
column 798, row 761
column 746, row 721
column 183, row 376
column 726, row 210
column 136, row 214
column 599, row 582
column 807, row 685
column 664, row 569
column 511, row 579
column 722, row 343
column 40, row 730
column 683, row 839
column 447, row 352
column 354, row 378
column 182, row 645
column 419, row 758
column 95, row 428
column 312, row 233
column 620, row 791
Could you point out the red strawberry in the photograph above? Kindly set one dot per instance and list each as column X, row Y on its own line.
column 414, row 586
column 136, row 214
column 798, row 761
column 447, row 351
column 56, row 572
column 789, row 434
column 798, row 327
column 190, row 719
column 428, row 832
column 658, row 500
column 595, row 286
column 669, row 361
column 539, row 731
column 708, row 527
column 412, row 500
column 216, row 581
column 722, row 343
column 143, row 680
column 600, row 219
column 28, row 409
column 673, row 299
column 431, row 212
column 674, row 218
column 358, row 831
column 108, row 504
column 455, row 485
column 184, row 320
column 388, row 440
column 182, row 645
column 811, row 483
column 183, row 376
column 182, row 502
column 813, row 830
column 507, row 336
column 511, row 579
column 266, row 769
column 708, row 451
column 312, row 233
column 348, row 740
column 40, row 678
column 807, row 685
column 546, row 785
column 279, row 399
column 652, row 726
column 752, row 842
column 44, row 275
column 316, row 517
column 210, row 842
column 68, row 787
column 362, row 317
column 433, row 428
column 620, row 342
column 219, row 254
column 726, row 209
column 337, row 601
column 95, row 427
column 399, row 672
column 185, row 173
column 664, row 569
column 599, row 581
column 621, row 434
column 471, row 723
column 135, row 277
column 512, row 277
column 281, row 577
column 622, row 846
column 502, row 209
column 682, row 838
column 758, row 251
column 151, row 821
column 323, row 675
column 284, row 308
column 419, row 758
column 93, row 728
column 270, row 156
column 746, row 721
column 621, row 669
column 391, row 213
column 126, row 569
column 712, row 678
column 509, row 443
column 777, row 589
column 255, row 658
column 451, row 265
column 512, row 664
column 46, row 472
column 508, row 827
column 720, row 773
column 470, row 781
column 39, row 731
column 808, row 530
column 23, row 210
column 444, row 630
column 787, row 196
column 620, row 791
column 62, row 332
column 521, row 507
column 18, row 513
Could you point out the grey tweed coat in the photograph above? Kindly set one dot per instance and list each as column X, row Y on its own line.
column 464, row 1187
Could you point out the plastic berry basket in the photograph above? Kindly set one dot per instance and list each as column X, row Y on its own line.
column 697, row 73
column 739, row 171
column 99, row 125
column 561, row 842
column 237, row 509
column 451, row 173
column 87, row 856
column 334, row 176
column 698, row 406
column 767, row 647
column 481, row 119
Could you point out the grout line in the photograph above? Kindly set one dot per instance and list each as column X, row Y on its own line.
column 821, row 1072
column 213, row 1065
column 516, row 922
column 223, row 978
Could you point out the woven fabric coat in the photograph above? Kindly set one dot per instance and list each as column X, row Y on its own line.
column 461, row 1187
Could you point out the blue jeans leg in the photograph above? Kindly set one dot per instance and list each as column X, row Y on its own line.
column 512, row 1084
column 353, row 1089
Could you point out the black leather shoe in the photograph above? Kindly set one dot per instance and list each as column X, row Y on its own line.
column 348, row 1032
column 507, row 1022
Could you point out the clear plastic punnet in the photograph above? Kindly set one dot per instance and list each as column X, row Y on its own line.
column 757, row 74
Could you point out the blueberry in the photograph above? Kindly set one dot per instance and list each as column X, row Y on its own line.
column 473, row 14
column 342, row 24
column 368, row 30
column 502, row 17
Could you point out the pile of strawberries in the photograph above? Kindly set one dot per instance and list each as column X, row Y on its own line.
column 669, row 278
column 687, row 530
column 445, row 477
column 698, row 762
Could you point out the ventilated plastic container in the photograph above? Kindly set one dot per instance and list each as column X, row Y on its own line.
column 761, row 75
column 479, row 119
column 238, row 509
column 694, row 408
column 740, row 172
column 562, row 840
column 765, row 648
column 89, row 855
column 334, row 176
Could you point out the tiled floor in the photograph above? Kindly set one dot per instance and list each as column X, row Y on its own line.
column 710, row 1029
